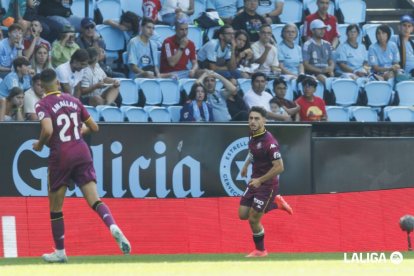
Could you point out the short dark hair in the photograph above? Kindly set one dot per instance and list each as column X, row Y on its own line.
column 351, row 27
column 20, row 61
column 15, row 26
column 258, row 74
column 48, row 75
column 80, row 55
column 192, row 94
column 384, row 28
column 278, row 81
column 147, row 20
column 259, row 110
column 35, row 78
column 92, row 53
column 221, row 30
column 14, row 92
column 310, row 81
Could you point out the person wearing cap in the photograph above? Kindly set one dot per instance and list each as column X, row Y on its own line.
column 19, row 77
column 405, row 47
column 88, row 36
column 317, row 53
column 64, row 47
column 177, row 51
column 383, row 56
column 10, row 48
column 331, row 35
column 312, row 108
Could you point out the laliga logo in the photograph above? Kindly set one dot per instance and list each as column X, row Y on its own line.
column 230, row 154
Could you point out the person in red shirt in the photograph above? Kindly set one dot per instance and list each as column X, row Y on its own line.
column 331, row 34
column 177, row 51
column 151, row 8
column 312, row 108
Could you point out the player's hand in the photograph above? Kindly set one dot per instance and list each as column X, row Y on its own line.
column 254, row 182
column 243, row 172
column 37, row 146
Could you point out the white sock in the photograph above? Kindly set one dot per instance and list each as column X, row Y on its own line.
column 61, row 252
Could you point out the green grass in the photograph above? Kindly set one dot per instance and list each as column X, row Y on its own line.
column 207, row 264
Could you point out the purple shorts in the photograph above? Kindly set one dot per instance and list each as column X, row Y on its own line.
column 260, row 199
column 74, row 166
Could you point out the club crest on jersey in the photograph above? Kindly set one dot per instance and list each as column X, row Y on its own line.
column 272, row 146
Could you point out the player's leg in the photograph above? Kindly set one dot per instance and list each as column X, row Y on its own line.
column 244, row 212
column 258, row 233
column 90, row 193
column 56, row 199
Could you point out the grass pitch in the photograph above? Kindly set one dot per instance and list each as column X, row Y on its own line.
column 209, row 264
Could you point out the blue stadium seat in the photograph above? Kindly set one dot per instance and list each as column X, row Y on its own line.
column 133, row 6
column 78, row 8
column 245, row 84
column 114, row 40
column 134, row 114
column 93, row 112
column 159, row 115
column 378, row 93
column 337, row 114
column 163, row 31
column 129, row 91
column 199, row 7
column 170, row 91
column 405, row 90
column 352, row 10
column 346, row 91
column 292, row 12
column 5, row 4
column 398, row 114
column 151, row 89
column 363, row 114
column 186, row 84
column 175, row 112
column 110, row 113
column 110, row 9
column 195, row 35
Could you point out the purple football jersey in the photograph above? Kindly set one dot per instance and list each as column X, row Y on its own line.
column 264, row 149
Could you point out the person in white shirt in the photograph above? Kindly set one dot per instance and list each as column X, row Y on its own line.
column 265, row 52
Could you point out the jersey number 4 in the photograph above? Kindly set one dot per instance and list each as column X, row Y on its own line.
column 65, row 121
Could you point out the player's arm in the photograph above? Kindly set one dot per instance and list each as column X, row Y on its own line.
column 249, row 159
column 89, row 126
column 276, row 169
column 45, row 134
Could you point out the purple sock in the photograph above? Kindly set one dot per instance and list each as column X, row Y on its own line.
column 104, row 212
column 58, row 229
column 259, row 240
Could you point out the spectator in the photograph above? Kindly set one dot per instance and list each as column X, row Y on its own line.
column 290, row 54
column 217, row 99
column 291, row 108
column 405, row 47
column 312, row 108
column 32, row 39
column 31, row 97
column 14, row 105
column 96, row 87
column 244, row 54
column 142, row 53
column 10, row 48
column 331, row 35
column 151, row 9
column 128, row 23
column 226, row 9
column 88, row 36
column 317, row 53
column 171, row 10
column 271, row 10
column 177, row 51
column 352, row 57
column 70, row 73
column 63, row 49
column 383, row 56
column 257, row 96
column 197, row 109
column 219, row 54
column 107, row 68
column 14, row 14
column 41, row 59
column 265, row 52
column 236, row 106
column 20, row 77
column 276, row 108
column 249, row 20
column 59, row 12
